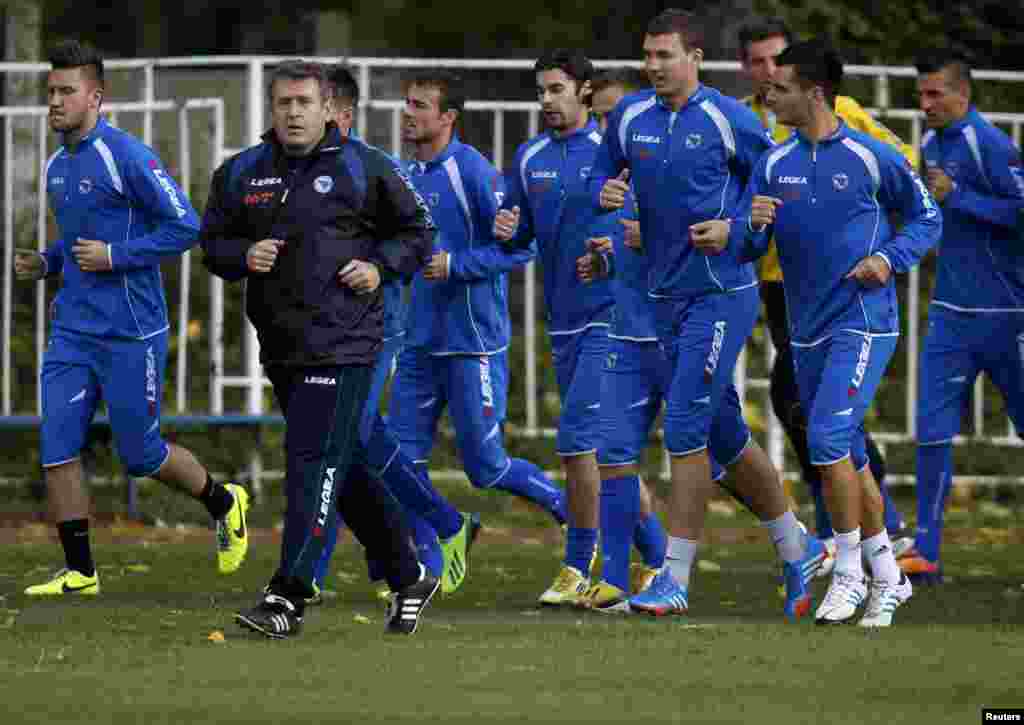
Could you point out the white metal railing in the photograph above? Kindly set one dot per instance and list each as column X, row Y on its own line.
column 254, row 70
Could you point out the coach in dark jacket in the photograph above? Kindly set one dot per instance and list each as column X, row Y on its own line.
column 313, row 221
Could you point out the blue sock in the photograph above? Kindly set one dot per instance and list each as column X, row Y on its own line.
column 651, row 541
column 524, row 479
column 428, row 548
column 620, row 511
column 410, row 483
column 934, row 479
column 579, row 548
column 822, row 521
column 330, row 543
column 894, row 522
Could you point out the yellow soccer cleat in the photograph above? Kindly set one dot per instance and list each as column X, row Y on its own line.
column 66, row 581
column 640, row 577
column 232, row 534
column 456, row 553
column 605, row 597
column 568, row 587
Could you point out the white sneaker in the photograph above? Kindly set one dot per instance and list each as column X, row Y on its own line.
column 883, row 601
column 845, row 594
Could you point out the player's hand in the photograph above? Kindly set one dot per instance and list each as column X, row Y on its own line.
column 437, row 268
column 590, row 267
column 613, row 193
column 632, row 238
column 939, row 183
column 762, row 211
column 261, row 256
column 360, row 277
column 506, row 223
column 92, row 255
column 710, row 237
column 871, row 271
column 29, row 265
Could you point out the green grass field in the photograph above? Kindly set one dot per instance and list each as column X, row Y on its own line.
column 140, row 652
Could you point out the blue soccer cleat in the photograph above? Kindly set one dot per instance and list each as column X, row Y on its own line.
column 798, row 575
column 663, row 596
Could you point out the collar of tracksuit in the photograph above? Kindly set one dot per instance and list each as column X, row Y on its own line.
column 96, row 132
column 577, row 137
column 838, row 135
column 331, row 142
column 696, row 97
column 447, row 152
column 958, row 126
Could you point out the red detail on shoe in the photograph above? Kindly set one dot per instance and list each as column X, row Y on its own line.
column 802, row 607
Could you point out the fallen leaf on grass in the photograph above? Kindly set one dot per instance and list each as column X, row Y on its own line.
column 994, row 510
column 728, row 603
column 981, row 571
column 709, row 566
column 216, row 636
column 362, row 619
column 137, row 568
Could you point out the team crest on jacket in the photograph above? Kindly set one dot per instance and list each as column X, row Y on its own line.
column 434, row 198
column 85, row 186
column 840, row 181
column 584, row 172
column 323, row 184
column 694, row 140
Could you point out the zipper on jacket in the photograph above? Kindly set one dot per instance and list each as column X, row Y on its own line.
column 814, row 174
column 668, row 136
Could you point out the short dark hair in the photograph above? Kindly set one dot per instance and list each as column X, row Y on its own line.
column 629, row 78
column 300, row 70
column 451, row 93
column 759, row 28
column 73, row 54
column 685, row 24
column 343, row 84
column 816, row 63
column 573, row 63
column 958, row 63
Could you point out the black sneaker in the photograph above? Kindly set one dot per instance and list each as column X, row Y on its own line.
column 407, row 605
column 275, row 617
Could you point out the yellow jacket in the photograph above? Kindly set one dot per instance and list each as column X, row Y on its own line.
column 856, row 118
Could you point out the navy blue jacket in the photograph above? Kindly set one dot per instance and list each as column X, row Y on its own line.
column 345, row 200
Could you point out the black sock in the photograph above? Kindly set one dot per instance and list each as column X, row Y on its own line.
column 74, row 537
column 216, row 498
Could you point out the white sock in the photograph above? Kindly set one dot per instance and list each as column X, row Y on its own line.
column 878, row 551
column 679, row 557
column 787, row 537
column 848, row 553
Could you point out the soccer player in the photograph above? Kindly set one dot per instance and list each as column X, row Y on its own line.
column 634, row 369
column 760, row 42
column 633, row 390
column 430, row 513
column 976, row 319
column 120, row 214
column 825, row 195
column 688, row 151
column 546, row 200
column 458, row 324
column 314, row 221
